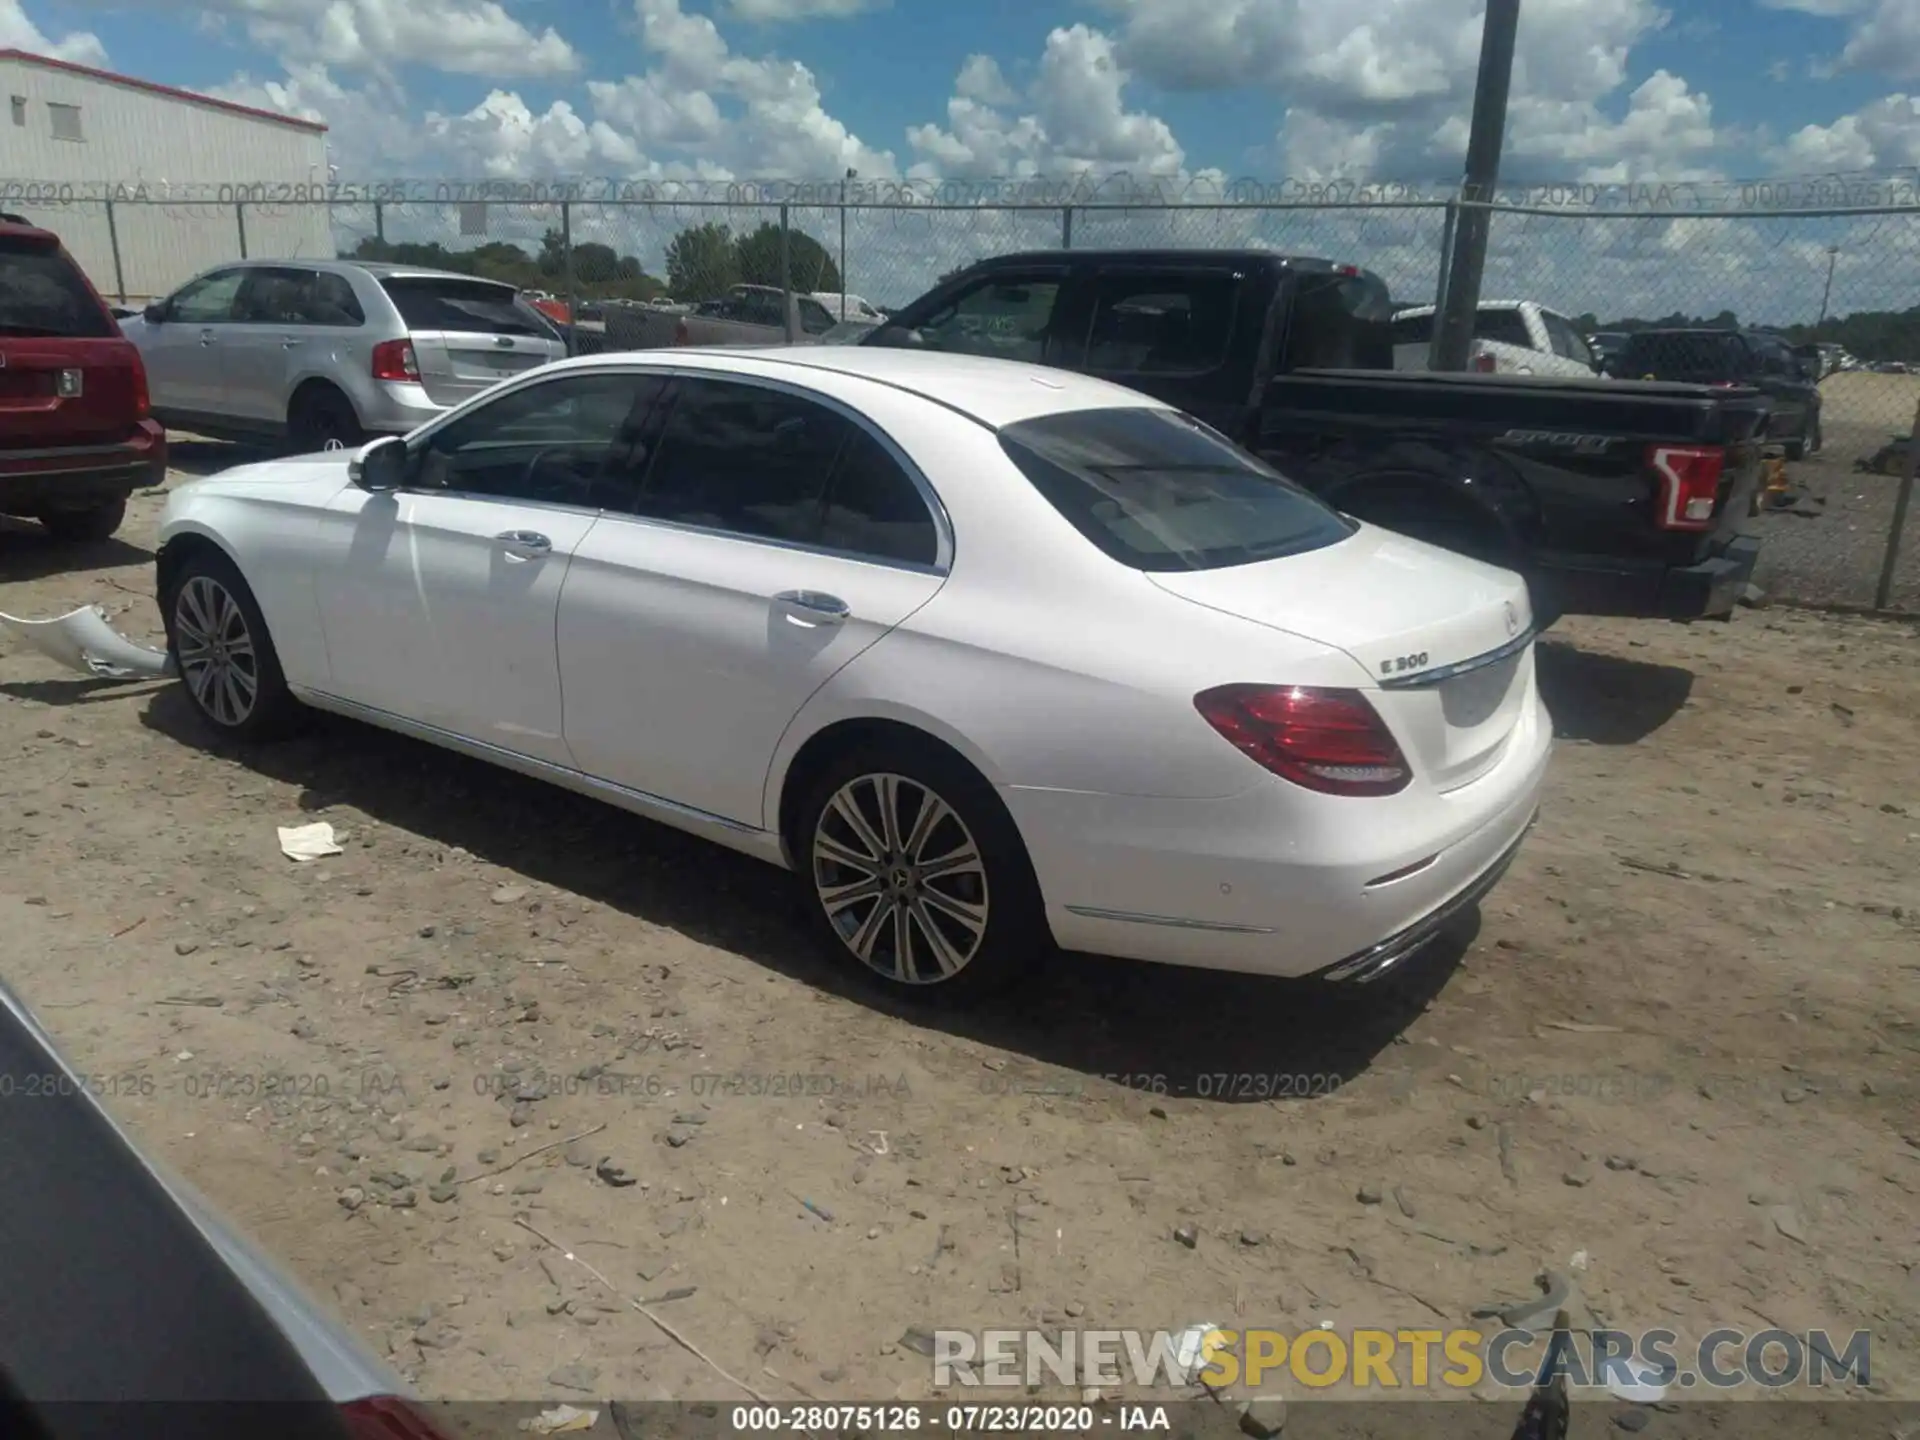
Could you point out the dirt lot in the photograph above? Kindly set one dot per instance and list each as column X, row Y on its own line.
column 1683, row 1040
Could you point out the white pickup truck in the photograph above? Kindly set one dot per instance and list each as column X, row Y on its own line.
column 1510, row 337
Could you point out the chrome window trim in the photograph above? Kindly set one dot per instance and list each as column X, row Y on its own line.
column 944, row 543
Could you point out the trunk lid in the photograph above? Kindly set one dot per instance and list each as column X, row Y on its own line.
column 67, row 376
column 470, row 334
column 1446, row 639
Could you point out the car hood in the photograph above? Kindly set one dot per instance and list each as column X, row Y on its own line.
column 317, row 468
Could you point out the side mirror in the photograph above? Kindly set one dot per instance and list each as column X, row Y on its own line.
column 381, row 466
column 154, row 313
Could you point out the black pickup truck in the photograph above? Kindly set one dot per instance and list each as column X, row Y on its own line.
column 1612, row 497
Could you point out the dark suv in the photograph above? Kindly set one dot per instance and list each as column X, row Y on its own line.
column 76, row 433
column 1753, row 358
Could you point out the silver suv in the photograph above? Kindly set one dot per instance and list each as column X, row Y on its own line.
column 331, row 350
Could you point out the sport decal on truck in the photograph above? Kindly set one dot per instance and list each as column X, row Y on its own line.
column 1559, row 440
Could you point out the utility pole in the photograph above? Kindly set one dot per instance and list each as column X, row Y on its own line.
column 1467, row 259
column 851, row 174
column 1833, row 253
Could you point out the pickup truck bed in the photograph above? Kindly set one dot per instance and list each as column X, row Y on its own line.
column 1558, row 476
column 1612, row 497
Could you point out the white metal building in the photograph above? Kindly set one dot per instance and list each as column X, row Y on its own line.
column 107, row 162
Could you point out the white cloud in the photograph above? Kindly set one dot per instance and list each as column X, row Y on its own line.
column 1882, row 35
column 775, row 11
column 1882, row 136
column 462, row 37
column 1073, row 117
column 17, row 32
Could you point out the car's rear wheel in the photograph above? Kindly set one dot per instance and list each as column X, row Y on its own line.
column 223, row 652
column 321, row 418
column 92, row 524
column 916, row 873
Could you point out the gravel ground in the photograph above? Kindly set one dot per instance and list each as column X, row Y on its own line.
column 1678, row 1049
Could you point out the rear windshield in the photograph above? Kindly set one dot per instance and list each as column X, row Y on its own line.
column 470, row 305
column 1676, row 357
column 41, row 293
column 1157, row 490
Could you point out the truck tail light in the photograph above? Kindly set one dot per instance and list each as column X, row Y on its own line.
column 1486, row 362
column 395, row 360
column 1332, row 741
column 1689, row 484
column 386, row 1417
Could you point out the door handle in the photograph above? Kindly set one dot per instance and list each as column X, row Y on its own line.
column 207, row 337
column 287, row 342
column 523, row 544
column 815, row 603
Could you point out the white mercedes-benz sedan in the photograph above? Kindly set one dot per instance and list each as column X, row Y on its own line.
column 990, row 654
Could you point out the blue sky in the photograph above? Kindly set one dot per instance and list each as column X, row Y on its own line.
column 1607, row 89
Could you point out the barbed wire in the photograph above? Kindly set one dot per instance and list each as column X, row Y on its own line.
column 1894, row 190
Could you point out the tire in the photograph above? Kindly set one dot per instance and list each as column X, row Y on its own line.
column 320, row 415
column 948, row 957
column 88, row 526
column 219, row 643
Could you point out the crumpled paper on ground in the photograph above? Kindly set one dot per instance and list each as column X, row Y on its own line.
column 308, row 842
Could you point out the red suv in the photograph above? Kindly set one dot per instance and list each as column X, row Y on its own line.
column 76, row 435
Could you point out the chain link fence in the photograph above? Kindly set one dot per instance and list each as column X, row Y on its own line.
column 1808, row 285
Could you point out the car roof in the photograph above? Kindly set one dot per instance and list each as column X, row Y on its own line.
column 993, row 392
column 379, row 269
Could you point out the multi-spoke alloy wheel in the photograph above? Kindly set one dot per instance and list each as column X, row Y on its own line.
column 217, row 658
column 223, row 652
column 901, row 878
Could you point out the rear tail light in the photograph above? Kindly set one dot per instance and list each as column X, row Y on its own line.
column 1485, row 362
column 681, row 334
column 1689, row 484
column 142, row 401
column 387, row 1417
column 395, row 360
column 1332, row 741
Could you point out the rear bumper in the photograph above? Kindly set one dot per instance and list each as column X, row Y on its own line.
column 1706, row 590
column 77, row 476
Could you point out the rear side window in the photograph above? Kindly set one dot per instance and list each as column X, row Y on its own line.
column 1503, row 327
column 1339, row 322
column 874, row 509
column 436, row 303
column 42, row 293
column 1146, row 325
column 1158, row 491
column 1685, row 357
column 744, row 459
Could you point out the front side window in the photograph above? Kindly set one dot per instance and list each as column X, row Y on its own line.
column 1003, row 317
column 1161, row 324
column 568, row 441
column 1158, row 491
column 208, row 300
column 1565, row 340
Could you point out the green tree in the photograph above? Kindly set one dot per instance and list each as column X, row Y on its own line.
column 702, row 262
column 812, row 266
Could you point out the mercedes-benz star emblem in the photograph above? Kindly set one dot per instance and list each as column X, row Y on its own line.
column 334, row 444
